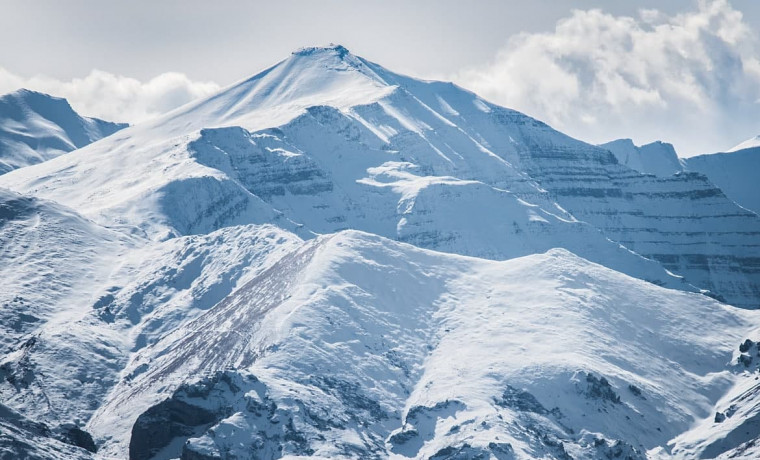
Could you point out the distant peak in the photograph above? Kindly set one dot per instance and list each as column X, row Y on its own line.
column 339, row 50
column 619, row 143
column 24, row 93
column 35, row 100
column 659, row 148
column 748, row 144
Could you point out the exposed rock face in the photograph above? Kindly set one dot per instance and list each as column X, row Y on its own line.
column 229, row 414
column 350, row 144
column 175, row 418
column 261, row 163
column 72, row 434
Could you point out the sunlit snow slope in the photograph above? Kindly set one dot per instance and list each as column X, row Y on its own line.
column 35, row 127
column 658, row 158
column 355, row 346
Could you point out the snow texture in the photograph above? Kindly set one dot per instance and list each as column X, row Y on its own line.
column 331, row 260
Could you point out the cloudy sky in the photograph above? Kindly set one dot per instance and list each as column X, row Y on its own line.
column 684, row 71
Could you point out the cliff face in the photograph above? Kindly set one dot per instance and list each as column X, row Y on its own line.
column 683, row 221
column 414, row 342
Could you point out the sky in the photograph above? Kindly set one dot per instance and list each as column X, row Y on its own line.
column 681, row 71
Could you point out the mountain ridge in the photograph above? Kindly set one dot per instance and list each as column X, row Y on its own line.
column 36, row 127
column 749, row 143
column 733, row 172
column 416, row 132
column 331, row 260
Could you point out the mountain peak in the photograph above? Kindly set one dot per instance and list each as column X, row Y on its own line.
column 331, row 57
column 332, row 49
column 24, row 93
column 658, row 158
column 28, row 96
column 311, row 76
column 748, row 144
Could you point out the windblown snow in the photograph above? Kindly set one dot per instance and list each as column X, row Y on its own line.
column 331, row 260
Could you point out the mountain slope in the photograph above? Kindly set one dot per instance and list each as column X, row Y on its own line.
column 731, row 171
column 377, row 158
column 67, row 345
column 428, row 353
column 358, row 146
column 51, row 257
column 734, row 172
column 60, row 270
column 35, row 127
column 51, row 260
column 24, row 438
column 255, row 275
column 748, row 144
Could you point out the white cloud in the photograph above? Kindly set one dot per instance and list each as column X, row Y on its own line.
column 692, row 79
column 115, row 97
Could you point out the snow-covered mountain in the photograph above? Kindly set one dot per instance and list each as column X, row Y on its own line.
column 349, row 133
column 35, row 127
column 331, row 260
column 658, row 158
column 748, row 144
column 734, row 172
column 428, row 353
